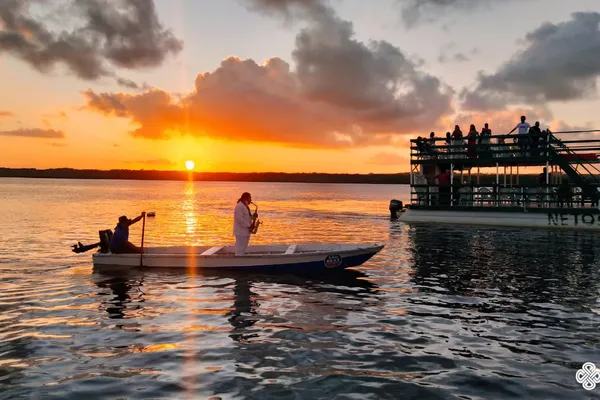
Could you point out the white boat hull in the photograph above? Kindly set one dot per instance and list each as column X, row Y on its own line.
column 588, row 220
column 308, row 257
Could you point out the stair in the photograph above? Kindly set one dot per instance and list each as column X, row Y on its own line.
column 587, row 182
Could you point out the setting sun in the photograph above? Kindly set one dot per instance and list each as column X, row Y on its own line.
column 189, row 164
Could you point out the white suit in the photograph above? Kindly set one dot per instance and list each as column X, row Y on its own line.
column 242, row 220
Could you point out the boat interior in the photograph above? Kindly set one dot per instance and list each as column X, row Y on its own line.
column 276, row 249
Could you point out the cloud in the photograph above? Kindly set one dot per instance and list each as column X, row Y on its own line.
column 387, row 159
column 559, row 63
column 573, row 132
column 562, row 126
column 427, row 11
column 6, row 114
column 88, row 37
column 460, row 57
column 35, row 133
column 291, row 9
column 127, row 83
column 457, row 57
column 343, row 93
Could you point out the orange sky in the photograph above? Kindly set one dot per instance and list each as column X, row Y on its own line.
column 335, row 91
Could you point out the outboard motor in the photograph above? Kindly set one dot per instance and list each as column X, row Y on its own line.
column 395, row 206
column 105, row 238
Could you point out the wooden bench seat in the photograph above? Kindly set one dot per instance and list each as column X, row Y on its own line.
column 212, row 251
column 291, row 249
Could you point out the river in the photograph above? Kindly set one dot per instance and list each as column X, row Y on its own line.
column 442, row 312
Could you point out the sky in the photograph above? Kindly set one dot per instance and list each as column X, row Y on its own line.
column 336, row 86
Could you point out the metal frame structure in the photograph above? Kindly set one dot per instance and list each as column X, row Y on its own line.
column 570, row 167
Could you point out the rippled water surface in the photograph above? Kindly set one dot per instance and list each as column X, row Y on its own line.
column 441, row 312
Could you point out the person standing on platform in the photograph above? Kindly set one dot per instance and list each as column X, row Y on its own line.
column 242, row 223
column 522, row 137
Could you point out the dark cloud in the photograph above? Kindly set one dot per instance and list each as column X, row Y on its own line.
column 460, row 57
column 456, row 57
column 6, row 114
column 343, row 92
column 89, row 37
column 35, row 133
column 560, row 62
column 427, row 11
column 291, row 9
column 127, row 83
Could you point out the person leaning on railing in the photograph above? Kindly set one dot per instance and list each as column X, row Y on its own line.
column 485, row 140
column 448, row 141
column 535, row 134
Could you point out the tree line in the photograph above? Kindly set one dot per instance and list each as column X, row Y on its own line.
column 309, row 177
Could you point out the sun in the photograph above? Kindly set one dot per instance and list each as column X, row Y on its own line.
column 189, row 164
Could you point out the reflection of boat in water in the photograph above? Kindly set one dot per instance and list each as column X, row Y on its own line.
column 306, row 293
column 121, row 284
column 447, row 184
column 320, row 297
column 298, row 257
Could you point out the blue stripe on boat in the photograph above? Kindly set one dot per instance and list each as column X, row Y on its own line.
column 347, row 262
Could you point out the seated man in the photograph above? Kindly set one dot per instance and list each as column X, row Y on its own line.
column 120, row 241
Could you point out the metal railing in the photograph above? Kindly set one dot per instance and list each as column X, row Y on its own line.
column 524, row 196
column 504, row 148
column 561, row 149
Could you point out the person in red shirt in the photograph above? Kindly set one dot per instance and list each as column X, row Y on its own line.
column 443, row 179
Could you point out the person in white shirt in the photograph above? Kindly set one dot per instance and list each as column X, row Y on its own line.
column 242, row 223
column 523, row 128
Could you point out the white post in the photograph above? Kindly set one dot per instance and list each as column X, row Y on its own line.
column 497, row 199
column 451, row 184
column 411, row 183
column 546, row 189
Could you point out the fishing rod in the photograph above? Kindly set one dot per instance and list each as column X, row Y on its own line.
column 255, row 221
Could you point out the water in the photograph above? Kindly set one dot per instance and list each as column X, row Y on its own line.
column 441, row 312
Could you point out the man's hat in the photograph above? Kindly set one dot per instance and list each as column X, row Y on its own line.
column 123, row 219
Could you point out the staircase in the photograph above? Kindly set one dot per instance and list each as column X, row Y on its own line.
column 588, row 182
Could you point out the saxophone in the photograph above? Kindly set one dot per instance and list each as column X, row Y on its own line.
column 255, row 221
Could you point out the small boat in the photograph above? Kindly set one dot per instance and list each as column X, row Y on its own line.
column 303, row 257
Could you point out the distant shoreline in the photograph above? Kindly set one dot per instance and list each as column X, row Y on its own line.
column 157, row 175
column 277, row 177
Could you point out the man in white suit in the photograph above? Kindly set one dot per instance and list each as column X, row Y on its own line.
column 242, row 222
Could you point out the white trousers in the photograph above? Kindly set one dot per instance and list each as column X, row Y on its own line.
column 241, row 243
